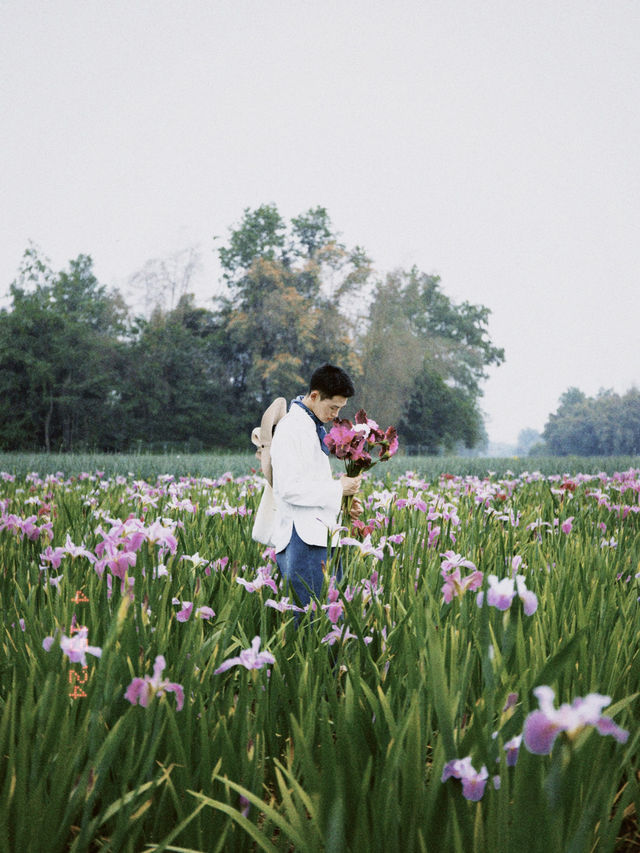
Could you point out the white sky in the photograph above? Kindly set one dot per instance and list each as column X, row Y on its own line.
column 495, row 143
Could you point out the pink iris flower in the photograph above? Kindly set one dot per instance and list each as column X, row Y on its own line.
column 78, row 550
column 251, row 658
column 339, row 438
column 455, row 585
column 185, row 613
column 516, row 562
column 53, row 556
column 142, row 690
column 282, row 605
column 76, row 648
column 391, row 440
column 158, row 534
column 341, row 634
column 434, row 532
column 120, row 561
column 543, row 726
column 334, row 608
column 454, row 561
column 334, row 611
column 366, row 547
column 500, row 594
column 29, row 528
column 262, row 578
column 11, row 523
column 355, row 442
column 567, row 524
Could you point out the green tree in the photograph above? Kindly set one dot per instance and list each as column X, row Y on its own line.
column 629, row 423
column 177, row 388
column 311, row 232
column 571, row 429
column 424, row 359
column 261, row 234
column 60, row 354
column 76, row 371
column 286, row 309
column 605, row 425
column 439, row 416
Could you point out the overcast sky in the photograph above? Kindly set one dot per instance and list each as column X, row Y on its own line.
column 494, row 143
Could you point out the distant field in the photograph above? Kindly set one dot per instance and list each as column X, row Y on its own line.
column 145, row 466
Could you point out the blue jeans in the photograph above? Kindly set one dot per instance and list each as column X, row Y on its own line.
column 301, row 566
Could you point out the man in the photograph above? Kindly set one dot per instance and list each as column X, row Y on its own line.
column 307, row 497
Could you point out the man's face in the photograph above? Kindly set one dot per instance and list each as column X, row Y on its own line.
column 327, row 409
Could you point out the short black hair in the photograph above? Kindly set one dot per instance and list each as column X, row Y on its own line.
column 331, row 381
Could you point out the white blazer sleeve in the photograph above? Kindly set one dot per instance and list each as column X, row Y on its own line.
column 298, row 483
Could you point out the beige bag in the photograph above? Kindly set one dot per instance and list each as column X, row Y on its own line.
column 261, row 437
column 265, row 518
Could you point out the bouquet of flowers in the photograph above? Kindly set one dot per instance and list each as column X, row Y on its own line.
column 357, row 443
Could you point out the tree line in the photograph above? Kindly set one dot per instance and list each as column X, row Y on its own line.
column 78, row 370
column 605, row 425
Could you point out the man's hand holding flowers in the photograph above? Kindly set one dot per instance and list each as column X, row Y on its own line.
column 355, row 510
column 350, row 485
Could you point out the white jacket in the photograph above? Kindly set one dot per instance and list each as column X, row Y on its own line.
column 304, row 489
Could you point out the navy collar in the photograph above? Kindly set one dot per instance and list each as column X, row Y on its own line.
column 320, row 430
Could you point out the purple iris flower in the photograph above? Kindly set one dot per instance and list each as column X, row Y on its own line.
column 543, row 726
column 512, row 747
column 529, row 599
column 473, row 781
column 501, row 594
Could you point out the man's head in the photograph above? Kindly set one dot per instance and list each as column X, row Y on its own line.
column 329, row 389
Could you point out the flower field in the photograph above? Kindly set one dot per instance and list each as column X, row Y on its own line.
column 472, row 684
